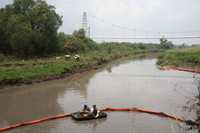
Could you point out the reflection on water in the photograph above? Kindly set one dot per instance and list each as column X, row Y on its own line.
column 127, row 83
column 91, row 124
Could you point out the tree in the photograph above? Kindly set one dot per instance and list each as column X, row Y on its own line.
column 165, row 44
column 73, row 44
column 78, row 42
column 183, row 45
column 79, row 34
column 23, row 6
column 62, row 37
column 20, row 37
column 29, row 28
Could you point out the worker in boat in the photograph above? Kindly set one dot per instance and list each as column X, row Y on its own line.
column 94, row 111
column 86, row 108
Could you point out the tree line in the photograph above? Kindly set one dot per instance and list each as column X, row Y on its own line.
column 29, row 28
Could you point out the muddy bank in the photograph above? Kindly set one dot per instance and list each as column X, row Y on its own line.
column 186, row 59
column 185, row 69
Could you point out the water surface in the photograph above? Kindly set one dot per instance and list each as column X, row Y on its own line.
column 129, row 83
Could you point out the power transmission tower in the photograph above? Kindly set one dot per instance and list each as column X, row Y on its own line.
column 88, row 31
column 85, row 26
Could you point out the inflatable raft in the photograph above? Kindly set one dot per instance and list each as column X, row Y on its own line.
column 81, row 116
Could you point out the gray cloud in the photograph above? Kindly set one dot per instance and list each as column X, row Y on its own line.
column 155, row 17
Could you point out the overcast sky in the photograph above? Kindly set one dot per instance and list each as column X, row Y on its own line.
column 131, row 18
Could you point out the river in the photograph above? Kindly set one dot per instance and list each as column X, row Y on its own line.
column 126, row 83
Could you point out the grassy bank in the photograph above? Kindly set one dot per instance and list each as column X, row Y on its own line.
column 14, row 71
column 184, row 58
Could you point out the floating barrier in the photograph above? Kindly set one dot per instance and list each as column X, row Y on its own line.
column 160, row 114
column 34, row 122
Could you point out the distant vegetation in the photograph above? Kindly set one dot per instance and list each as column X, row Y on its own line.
column 187, row 57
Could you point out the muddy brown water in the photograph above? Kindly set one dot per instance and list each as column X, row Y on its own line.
column 127, row 83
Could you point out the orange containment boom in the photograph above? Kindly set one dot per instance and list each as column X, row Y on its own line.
column 160, row 114
column 34, row 122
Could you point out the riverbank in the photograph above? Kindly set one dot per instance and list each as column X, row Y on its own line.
column 187, row 59
column 16, row 72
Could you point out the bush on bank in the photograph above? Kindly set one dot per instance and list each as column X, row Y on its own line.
column 181, row 57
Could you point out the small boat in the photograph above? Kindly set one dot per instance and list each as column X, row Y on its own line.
column 81, row 116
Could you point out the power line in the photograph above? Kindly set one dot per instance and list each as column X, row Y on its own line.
column 140, row 31
column 146, row 38
column 113, row 25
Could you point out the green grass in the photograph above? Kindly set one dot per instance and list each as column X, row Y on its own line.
column 15, row 70
column 188, row 57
